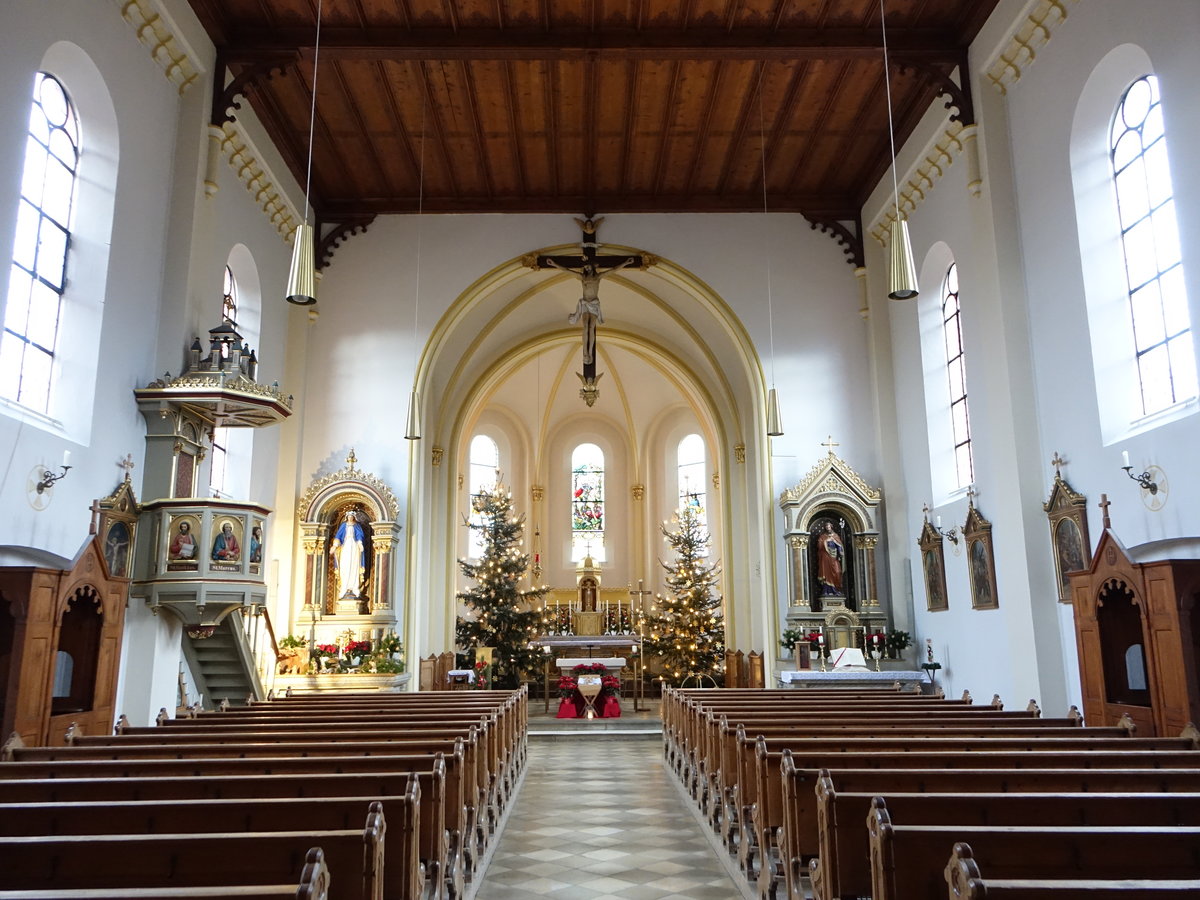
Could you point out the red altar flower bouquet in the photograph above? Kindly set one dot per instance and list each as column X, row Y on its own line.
column 567, row 686
column 610, row 685
column 358, row 648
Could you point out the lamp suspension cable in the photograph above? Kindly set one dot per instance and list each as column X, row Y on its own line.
column 902, row 277
column 302, row 276
column 774, row 424
column 413, row 430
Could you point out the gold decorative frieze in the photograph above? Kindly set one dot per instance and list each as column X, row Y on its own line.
column 639, row 491
column 1033, row 30
column 260, row 183
column 437, row 455
column 147, row 20
column 538, row 493
column 739, row 453
column 938, row 156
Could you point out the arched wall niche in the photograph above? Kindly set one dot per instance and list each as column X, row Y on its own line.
column 661, row 318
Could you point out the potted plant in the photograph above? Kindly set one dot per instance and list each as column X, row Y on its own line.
column 789, row 639
column 897, row 642
column 391, row 646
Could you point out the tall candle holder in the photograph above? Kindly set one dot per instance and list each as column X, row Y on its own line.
column 876, row 655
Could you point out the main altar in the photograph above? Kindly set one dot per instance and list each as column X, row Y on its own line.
column 593, row 625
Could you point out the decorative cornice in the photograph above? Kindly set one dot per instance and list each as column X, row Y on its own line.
column 938, row 157
column 260, row 183
column 350, row 477
column 830, row 468
column 1033, row 30
column 147, row 20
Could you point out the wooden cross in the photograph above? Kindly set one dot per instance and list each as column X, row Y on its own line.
column 829, row 444
column 1104, row 505
column 1058, row 462
column 591, row 266
column 92, row 529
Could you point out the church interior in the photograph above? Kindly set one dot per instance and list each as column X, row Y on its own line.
column 295, row 283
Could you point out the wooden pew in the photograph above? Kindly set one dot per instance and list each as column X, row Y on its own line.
column 966, row 883
column 840, row 868
column 313, row 885
column 908, row 861
column 403, row 879
column 800, row 835
column 462, row 851
column 72, row 862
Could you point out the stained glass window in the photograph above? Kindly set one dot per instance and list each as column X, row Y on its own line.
column 1150, row 239
column 587, row 503
column 690, row 456
column 956, row 368
column 38, row 276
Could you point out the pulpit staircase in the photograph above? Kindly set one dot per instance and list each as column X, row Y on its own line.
column 223, row 665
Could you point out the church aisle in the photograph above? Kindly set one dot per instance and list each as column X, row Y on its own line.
column 602, row 822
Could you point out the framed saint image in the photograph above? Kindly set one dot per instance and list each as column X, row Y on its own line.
column 981, row 560
column 226, row 554
column 256, row 546
column 183, row 543
column 933, row 567
column 1067, row 514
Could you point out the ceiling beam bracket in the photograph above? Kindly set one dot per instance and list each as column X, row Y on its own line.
column 958, row 96
column 252, row 72
column 850, row 238
column 338, row 232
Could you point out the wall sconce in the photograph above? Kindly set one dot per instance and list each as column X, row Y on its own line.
column 1144, row 480
column 49, row 478
column 951, row 535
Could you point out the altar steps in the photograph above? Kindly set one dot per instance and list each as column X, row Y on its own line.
column 623, row 729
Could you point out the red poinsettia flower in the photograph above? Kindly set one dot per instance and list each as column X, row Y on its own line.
column 578, row 492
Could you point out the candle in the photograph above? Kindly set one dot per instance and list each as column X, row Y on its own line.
column 820, row 639
column 875, row 639
column 1125, row 459
column 66, row 458
column 939, row 521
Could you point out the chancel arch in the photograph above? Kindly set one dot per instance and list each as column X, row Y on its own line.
column 505, row 351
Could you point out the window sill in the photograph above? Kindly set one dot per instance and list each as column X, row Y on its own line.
column 15, row 410
column 1172, row 413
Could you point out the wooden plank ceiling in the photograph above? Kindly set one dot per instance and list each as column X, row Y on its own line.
column 589, row 106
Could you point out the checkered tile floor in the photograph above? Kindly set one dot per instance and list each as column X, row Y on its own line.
column 604, row 823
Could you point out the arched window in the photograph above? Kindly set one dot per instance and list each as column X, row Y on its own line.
column 690, row 456
column 482, row 466
column 1166, row 363
column 229, row 306
column 960, row 419
column 43, row 238
column 219, row 467
column 587, row 503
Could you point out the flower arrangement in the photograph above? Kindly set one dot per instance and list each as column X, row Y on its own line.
column 790, row 638
column 567, row 686
column 390, row 644
column 483, row 675
column 609, row 685
column 897, row 641
column 358, row 648
column 292, row 642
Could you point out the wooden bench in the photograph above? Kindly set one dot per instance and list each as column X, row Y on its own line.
column 800, row 834
column 843, row 849
column 909, row 861
column 966, row 883
column 313, row 885
column 74, row 862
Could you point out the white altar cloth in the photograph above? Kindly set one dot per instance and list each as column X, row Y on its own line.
column 612, row 663
column 840, row 678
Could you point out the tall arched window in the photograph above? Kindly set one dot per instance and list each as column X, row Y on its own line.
column 43, row 237
column 691, row 469
column 229, row 304
column 482, row 465
column 587, row 503
column 960, row 419
column 1166, row 363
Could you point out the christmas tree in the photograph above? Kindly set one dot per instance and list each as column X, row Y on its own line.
column 505, row 618
column 686, row 630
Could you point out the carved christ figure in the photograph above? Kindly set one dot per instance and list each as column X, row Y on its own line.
column 588, row 311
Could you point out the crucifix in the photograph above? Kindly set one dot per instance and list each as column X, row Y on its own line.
column 829, row 444
column 591, row 266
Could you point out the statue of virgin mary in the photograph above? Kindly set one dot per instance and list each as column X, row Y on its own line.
column 348, row 555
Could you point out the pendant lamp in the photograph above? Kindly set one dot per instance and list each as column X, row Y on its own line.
column 302, row 276
column 774, row 423
column 902, row 275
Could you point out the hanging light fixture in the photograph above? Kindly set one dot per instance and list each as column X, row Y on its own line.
column 412, row 431
column 902, row 274
column 774, row 423
column 302, row 276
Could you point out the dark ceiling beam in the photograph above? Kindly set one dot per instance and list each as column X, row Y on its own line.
column 524, row 43
column 822, row 207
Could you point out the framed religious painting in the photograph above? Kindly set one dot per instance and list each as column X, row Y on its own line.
column 183, row 543
column 933, row 566
column 117, row 526
column 981, row 560
column 1066, row 511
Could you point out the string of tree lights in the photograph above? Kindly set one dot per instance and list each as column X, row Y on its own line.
column 502, row 615
column 686, row 630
